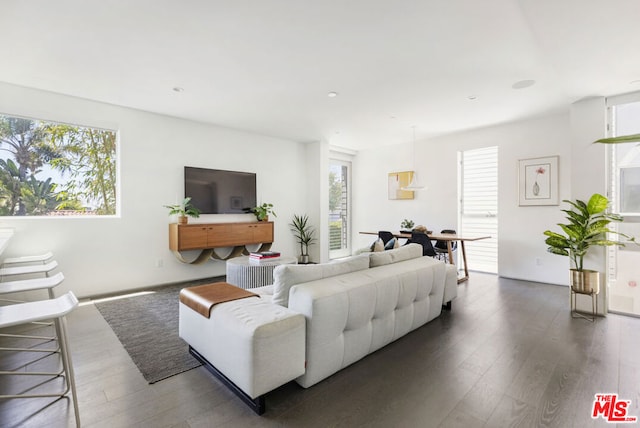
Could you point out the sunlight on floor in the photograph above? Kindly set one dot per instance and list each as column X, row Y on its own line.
column 118, row 297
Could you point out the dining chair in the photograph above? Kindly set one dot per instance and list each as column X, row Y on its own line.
column 385, row 235
column 423, row 239
column 441, row 246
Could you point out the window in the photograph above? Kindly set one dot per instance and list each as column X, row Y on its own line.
column 478, row 210
column 624, row 185
column 339, row 209
column 54, row 169
column 629, row 191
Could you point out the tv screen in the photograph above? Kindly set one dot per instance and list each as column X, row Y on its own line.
column 215, row 191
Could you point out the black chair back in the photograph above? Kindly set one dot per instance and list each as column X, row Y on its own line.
column 442, row 245
column 385, row 236
column 422, row 239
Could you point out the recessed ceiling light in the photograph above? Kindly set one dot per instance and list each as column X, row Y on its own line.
column 523, row 84
column 472, row 97
column 392, row 117
column 332, row 94
column 178, row 89
column 635, row 82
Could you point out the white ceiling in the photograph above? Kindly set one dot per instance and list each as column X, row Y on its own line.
column 267, row 65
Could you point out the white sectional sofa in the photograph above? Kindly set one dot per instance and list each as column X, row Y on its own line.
column 317, row 319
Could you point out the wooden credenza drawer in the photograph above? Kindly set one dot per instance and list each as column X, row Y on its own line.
column 215, row 235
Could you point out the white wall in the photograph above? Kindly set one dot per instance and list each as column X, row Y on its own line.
column 521, row 229
column 105, row 255
column 372, row 210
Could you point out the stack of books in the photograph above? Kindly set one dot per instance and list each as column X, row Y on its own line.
column 264, row 255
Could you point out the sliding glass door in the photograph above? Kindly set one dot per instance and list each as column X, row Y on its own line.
column 624, row 190
column 339, row 208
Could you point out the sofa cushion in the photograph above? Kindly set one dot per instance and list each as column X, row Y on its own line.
column 286, row 276
column 393, row 243
column 405, row 252
column 377, row 245
column 358, row 313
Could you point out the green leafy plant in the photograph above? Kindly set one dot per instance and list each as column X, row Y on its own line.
column 407, row 224
column 262, row 211
column 184, row 209
column 587, row 226
column 303, row 232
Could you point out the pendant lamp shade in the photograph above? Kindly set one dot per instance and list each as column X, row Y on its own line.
column 415, row 183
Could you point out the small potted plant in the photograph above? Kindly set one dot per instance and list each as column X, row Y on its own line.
column 304, row 233
column 406, row 226
column 262, row 211
column 183, row 209
column 587, row 226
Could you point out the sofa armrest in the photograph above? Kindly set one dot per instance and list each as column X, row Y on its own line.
column 257, row 345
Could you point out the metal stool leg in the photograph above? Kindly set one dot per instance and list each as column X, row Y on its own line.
column 56, row 309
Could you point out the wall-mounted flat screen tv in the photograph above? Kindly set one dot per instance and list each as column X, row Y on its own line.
column 215, row 191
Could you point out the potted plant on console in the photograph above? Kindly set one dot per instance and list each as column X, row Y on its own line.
column 587, row 226
column 304, row 234
column 262, row 211
column 183, row 210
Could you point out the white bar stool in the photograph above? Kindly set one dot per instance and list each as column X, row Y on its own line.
column 48, row 283
column 28, row 269
column 55, row 309
column 40, row 258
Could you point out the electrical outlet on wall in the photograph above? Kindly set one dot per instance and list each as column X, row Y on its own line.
column 159, row 263
column 538, row 261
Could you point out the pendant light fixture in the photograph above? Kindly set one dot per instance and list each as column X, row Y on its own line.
column 414, row 185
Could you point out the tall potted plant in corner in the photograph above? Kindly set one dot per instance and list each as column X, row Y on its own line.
column 587, row 226
column 183, row 210
column 304, row 234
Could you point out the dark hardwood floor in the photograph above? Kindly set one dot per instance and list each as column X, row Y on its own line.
column 508, row 354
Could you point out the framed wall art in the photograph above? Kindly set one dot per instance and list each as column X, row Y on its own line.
column 398, row 180
column 538, row 181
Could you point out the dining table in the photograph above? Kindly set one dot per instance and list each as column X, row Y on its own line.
column 449, row 238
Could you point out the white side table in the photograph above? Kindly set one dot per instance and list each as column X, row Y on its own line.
column 245, row 273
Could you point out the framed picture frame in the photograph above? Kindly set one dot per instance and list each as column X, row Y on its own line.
column 538, row 181
column 397, row 181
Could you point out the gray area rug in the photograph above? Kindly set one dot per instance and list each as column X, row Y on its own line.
column 147, row 327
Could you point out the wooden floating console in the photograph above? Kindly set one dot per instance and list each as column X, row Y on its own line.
column 209, row 236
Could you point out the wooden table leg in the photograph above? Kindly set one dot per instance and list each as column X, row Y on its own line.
column 464, row 261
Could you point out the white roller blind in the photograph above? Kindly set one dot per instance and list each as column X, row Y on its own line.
column 479, row 206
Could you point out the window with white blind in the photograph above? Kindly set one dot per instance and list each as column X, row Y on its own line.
column 478, row 209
